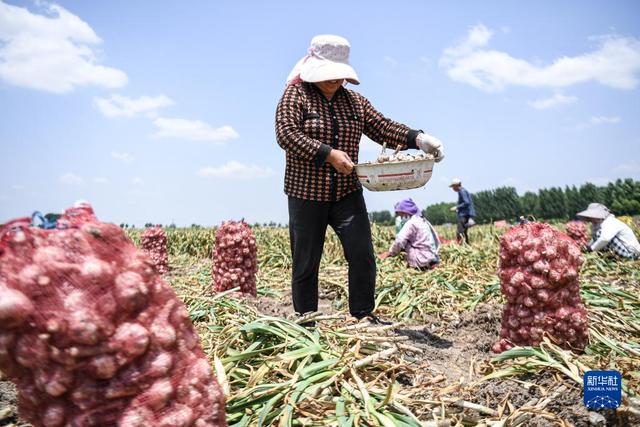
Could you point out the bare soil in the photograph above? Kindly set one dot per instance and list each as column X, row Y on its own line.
column 8, row 404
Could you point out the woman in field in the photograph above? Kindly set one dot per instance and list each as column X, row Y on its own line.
column 417, row 238
column 609, row 233
column 319, row 124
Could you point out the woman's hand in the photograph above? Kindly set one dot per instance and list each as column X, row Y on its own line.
column 430, row 145
column 384, row 255
column 340, row 161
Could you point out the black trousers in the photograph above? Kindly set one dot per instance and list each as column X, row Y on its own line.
column 463, row 227
column 308, row 222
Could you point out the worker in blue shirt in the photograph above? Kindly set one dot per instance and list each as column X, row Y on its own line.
column 465, row 210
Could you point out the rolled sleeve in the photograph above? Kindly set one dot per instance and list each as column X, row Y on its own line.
column 290, row 133
column 411, row 138
column 322, row 154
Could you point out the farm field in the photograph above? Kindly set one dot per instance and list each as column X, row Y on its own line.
column 432, row 367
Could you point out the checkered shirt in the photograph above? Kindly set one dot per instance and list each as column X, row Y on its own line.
column 617, row 247
column 308, row 126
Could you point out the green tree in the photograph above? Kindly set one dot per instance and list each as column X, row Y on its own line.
column 590, row 193
column 440, row 213
column 574, row 201
column 621, row 196
column 382, row 217
column 553, row 203
column 506, row 203
column 530, row 206
column 486, row 209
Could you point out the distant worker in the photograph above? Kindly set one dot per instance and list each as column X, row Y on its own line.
column 608, row 233
column 417, row 238
column 465, row 210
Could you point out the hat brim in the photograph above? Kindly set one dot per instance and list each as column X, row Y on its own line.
column 595, row 214
column 456, row 184
column 319, row 70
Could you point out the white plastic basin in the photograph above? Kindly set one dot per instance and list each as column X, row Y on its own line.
column 395, row 175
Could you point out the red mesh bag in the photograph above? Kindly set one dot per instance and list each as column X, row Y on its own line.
column 154, row 242
column 235, row 258
column 539, row 268
column 92, row 336
column 577, row 230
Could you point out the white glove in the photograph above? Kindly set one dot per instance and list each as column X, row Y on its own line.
column 453, row 208
column 430, row 145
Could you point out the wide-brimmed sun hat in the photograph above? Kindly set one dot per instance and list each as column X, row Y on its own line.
column 327, row 59
column 595, row 210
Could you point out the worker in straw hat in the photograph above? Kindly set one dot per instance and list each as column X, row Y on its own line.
column 609, row 233
column 417, row 238
column 465, row 209
column 319, row 125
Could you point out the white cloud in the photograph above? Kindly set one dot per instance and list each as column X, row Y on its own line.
column 599, row 120
column 602, row 120
column 194, row 130
column 121, row 106
column 100, row 180
column 123, row 157
column 614, row 63
column 53, row 51
column 17, row 187
column 71, row 179
column 235, row 170
column 554, row 101
column 137, row 181
column 632, row 167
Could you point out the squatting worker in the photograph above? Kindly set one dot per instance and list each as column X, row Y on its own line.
column 465, row 209
column 608, row 233
column 417, row 238
column 319, row 124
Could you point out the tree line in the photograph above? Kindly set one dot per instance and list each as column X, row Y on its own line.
column 622, row 197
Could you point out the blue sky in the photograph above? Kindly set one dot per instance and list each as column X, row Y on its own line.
column 151, row 110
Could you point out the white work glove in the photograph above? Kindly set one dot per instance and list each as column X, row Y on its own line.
column 453, row 208
column 430, row 145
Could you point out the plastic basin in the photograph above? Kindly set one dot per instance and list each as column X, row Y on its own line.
column 394, row 175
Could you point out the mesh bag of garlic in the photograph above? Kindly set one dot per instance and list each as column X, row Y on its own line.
column 92, row 336
column 577, row 230
column 235, row 258
column 539, row 269
column 154, row 242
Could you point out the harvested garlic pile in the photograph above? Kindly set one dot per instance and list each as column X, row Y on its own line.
column 235, row 258
column 402, row 157
column 577, row 230
column 539, row 272
column 92, row 336
column 154, row 242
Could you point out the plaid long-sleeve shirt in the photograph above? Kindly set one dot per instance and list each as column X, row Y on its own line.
column 308, row 126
